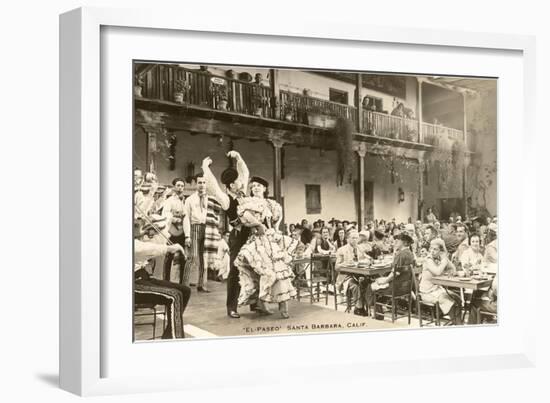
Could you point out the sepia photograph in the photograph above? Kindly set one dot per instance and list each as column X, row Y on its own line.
column 284, row 201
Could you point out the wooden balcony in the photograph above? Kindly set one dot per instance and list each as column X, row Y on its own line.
column 313, row 111
column 204, row 89
column 235, row 100
column 388, row 126
column 437, row 135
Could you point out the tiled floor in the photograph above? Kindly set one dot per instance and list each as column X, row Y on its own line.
column 206, row 317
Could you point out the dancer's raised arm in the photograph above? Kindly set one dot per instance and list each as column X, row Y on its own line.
column 242, row 169
column 212, row 186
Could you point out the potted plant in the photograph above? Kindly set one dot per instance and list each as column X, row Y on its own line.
column 219, row 95
column 138, row 86
column 259, row 101
column 289, row 109
column 181, row 87
column 319, row 116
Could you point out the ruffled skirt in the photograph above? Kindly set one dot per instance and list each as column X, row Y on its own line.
column 264, row 272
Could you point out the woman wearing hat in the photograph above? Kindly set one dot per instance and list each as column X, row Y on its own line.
column 434, row 265
column 401, row 272
column 263, row 262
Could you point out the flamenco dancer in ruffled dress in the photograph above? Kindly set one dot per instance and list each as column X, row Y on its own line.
column 265, row 275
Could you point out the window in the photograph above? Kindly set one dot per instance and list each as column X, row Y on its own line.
column 338, row 96
column 313, row 199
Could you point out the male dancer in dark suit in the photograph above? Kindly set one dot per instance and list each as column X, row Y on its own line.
column 236, row 182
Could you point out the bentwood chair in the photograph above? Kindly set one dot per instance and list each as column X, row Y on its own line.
column 401, row 290
column 320, row 276
column 432, row 308
column 488, row 317
column 147, row 310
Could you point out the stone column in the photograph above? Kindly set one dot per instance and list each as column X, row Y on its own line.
column 362, row 152
column 277, row 141
column 275, row 101
column 419, row 108
column 466, row 158
column 421, row 168
column 152, row 139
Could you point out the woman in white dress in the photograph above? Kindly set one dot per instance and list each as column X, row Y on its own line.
column 434, row 265
column 265, row 275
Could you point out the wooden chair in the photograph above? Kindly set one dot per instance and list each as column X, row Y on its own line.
column 491, row 316
column 433, row 308
column 320, row 276
column 401, row 290
column 149, row 309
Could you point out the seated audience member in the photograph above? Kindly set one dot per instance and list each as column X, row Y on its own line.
column 364, row 240
column 410, row 229
column 149, row 290
column 430, row 233
column 435, row 264
column 471, row 258
column 490, row 258
column 403, row 262
column 462, row 235
column 340, row 238
column 485, row 301
column 325, row 246
column 347, row 255
column 379, row 247
column 430, row 216
column 306, row 234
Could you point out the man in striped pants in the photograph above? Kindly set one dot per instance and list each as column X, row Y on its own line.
column 194, row 224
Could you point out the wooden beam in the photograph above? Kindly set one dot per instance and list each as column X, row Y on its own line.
column 198, row 125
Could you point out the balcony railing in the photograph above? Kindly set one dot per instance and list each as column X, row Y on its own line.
column 438, row 135
column 205, row 89
column 389, row 126
column 313, row 111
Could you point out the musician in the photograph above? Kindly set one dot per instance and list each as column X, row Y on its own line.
column 194, row 226
column 174, row 211
column 148, row 290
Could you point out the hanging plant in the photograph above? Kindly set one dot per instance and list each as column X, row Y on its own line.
column 450, row 160
column 343, row 131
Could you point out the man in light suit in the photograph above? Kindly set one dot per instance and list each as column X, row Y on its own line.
column 348, row 255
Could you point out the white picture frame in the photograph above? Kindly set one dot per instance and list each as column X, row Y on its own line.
column 84, row 342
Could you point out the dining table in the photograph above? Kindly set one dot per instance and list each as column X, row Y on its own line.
column 474, row 283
